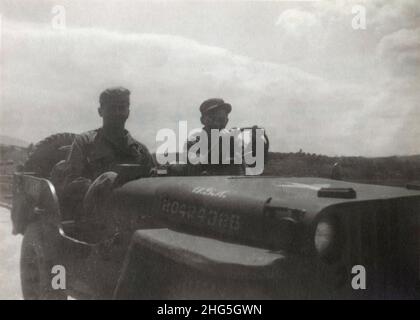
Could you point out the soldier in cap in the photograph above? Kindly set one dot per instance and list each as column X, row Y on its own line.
column 215, row 116
column 94, row 154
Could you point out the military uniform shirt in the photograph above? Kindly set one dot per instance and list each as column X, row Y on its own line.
column 93, row 153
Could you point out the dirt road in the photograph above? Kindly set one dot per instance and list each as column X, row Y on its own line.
column 9, row 259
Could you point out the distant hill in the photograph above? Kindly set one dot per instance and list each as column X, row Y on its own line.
column 393, row 170
column 10, row 141
column 10, row 157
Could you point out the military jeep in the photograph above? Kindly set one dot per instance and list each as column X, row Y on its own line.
column 174, row 236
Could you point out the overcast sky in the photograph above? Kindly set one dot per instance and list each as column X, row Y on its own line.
column 297, row 68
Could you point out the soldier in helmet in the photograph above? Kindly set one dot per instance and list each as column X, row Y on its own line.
column 94, row 154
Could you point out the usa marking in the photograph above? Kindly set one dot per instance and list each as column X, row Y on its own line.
column 210, row 192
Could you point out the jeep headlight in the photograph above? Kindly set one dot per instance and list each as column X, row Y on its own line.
column 326, row 238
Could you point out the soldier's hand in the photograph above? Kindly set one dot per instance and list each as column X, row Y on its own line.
column 79, row 185
column 105, row 182
column 99, row 190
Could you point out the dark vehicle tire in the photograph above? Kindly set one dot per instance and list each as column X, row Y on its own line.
column 35, row 269
column 48, row 152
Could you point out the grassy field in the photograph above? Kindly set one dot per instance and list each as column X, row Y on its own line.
column 395, row 170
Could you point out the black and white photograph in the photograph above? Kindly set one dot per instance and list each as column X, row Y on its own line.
column 232, row 151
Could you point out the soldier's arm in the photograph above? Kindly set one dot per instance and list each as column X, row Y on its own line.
column 187, row 146
column 76, row 164
column 146, row 158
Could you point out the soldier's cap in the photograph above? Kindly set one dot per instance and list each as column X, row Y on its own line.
column 214, row 103
column 114, row 95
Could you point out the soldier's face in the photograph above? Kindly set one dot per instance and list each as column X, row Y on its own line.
column 217, row 119
column 115, row 114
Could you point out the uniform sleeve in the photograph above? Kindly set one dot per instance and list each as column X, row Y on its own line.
column 76, row 163
column 192, row 139
column 146, row 158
